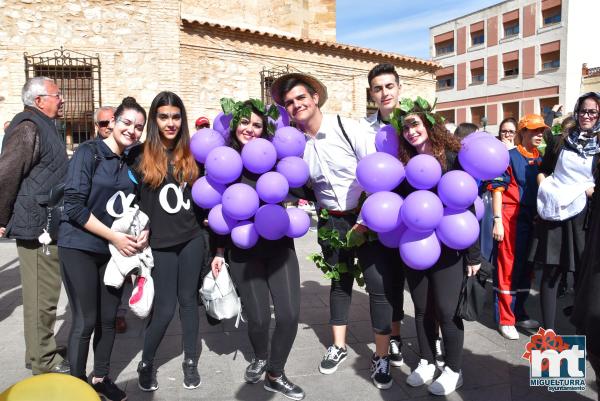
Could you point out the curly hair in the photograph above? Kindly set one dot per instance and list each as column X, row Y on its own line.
column 441, row 141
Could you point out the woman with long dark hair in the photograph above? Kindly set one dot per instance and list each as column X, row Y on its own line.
column 98, row 174
column 269, row 269
column 566, row 186
column 435, row 292
column 167, row 170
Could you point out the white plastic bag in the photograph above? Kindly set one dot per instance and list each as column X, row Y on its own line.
column 220, row 297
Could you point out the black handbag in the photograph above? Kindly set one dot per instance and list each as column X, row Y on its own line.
column 473, row 293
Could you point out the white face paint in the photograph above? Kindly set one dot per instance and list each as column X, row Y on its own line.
column 164, row 203
column 126, row 201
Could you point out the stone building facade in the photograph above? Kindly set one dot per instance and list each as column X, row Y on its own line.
column 201, row 50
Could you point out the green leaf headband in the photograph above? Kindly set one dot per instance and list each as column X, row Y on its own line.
column 418, row 106
column 241, row 110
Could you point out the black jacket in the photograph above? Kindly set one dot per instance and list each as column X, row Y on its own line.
column 28, row 217
column 95, row 174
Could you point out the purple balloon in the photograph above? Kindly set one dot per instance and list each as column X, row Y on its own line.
column 484, row 158
column 387, row 141
column 240, row 201
column 422, row 211
column 458, row 230
column 381, row 211
column 479, row 208
column 457, row 189
column 207, row 193
column 423, row 171
column 475, row 135
column 379, row 171
column 203, row 141
column 221, row 123
column 244, row 235
column 223, row 165
column 289, row 142
column 218, row 222
column 391, row 239
column 419, row 250
column 272, row 187
column 299, row 222
column 271, row 222
column 259, row 155
column 283, row 120
column 294, row 169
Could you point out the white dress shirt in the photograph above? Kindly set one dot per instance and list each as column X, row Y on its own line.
column 372, row 123
column 332, row 163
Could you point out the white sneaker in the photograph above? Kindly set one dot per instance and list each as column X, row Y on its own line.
column 422, row 374
column 509, row 332
column 528, row 324
column 447, row 383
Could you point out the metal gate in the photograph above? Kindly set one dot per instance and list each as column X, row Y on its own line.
column 78, row 77
column 267, row 77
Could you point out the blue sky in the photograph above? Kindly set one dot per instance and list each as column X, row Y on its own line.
column 400, row 26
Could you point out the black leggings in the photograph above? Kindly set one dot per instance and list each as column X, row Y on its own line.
column 261, row 271
column 176, row 274
column 93, row 308
column 384, row 279
column 435, row 294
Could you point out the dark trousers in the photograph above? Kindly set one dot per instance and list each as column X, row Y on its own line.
column 383, row 273
column 176, row 274
column 40, row 281
column 258, row 274
column 340, row 294
column 93, row 307
column 435, row 294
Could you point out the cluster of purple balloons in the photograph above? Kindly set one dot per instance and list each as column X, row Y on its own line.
column 235, row 207
column 419, row 224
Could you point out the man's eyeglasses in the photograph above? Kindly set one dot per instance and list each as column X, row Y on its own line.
column 592, row 113
column 103, row 124
column 56, row 95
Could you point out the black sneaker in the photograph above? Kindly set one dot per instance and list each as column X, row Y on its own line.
column 332, row 359
column 191, row 377
column 255, row 370
column 109, row 390
column 146, row 377
column 396, row 352
column 284, row 386
column 380, row 372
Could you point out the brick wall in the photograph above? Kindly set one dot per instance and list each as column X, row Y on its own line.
column 137, row 42
column 144, row 47
column 204, row 50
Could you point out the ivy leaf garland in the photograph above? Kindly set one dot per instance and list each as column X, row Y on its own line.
column 333, row 240
column 418, row 106
column 241, row 110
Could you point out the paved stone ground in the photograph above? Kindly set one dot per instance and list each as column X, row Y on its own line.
column 493, row 369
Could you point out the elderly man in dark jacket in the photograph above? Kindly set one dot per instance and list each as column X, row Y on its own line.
column 32, row 162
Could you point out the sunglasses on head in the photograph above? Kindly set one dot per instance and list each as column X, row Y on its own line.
column 103, row 124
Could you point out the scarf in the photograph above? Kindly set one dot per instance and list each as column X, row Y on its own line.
column 582, row 142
